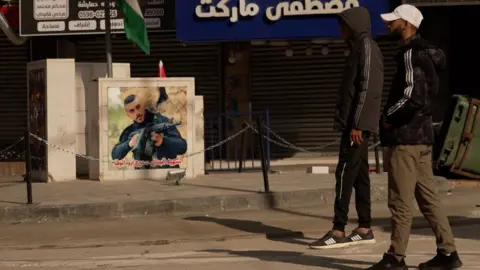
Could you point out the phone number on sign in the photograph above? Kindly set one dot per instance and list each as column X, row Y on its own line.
column 140, row 163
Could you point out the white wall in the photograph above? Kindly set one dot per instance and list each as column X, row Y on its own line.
column 60, row 119
column 199, row 141
column 85, row 77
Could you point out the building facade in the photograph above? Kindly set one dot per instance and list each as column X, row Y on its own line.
column 290, row 67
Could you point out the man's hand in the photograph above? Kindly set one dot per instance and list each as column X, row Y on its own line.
column 157, row 138
column 356, row 136
column 133, row 141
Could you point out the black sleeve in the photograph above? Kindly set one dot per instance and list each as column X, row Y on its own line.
column 364, row 77
column 414, row 93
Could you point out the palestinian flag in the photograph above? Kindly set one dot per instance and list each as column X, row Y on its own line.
column 135, row 27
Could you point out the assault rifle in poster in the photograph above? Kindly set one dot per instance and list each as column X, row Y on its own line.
column 145, row 145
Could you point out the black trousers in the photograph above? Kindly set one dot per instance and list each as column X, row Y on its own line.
column 352, row 172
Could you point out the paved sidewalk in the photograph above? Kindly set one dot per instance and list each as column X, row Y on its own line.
column 206, row 194
column 234, row 240
column 275, row 224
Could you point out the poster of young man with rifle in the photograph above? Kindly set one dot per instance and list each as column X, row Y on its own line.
column 147, row 127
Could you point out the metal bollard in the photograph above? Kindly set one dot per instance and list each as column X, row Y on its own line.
column 28, row 167
column 262, row 155
column 242, row 150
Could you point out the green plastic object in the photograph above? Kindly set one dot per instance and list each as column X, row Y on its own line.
column 467, row 162
column 451, row 132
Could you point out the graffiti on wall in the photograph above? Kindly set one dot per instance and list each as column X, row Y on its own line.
column 37, row 117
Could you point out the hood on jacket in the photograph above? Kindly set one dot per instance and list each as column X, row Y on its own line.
column 358, row 19
column 436, row 55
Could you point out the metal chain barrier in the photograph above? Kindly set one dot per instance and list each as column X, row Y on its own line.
column 219, row 143
column 279, row 142
column 289, row 145
column 97, row 159
column 320, row 147
column 6, row 154
column 62, row 149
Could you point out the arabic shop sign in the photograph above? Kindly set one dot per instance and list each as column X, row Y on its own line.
column 222, row 20
column 272, row 13
column 73, row 17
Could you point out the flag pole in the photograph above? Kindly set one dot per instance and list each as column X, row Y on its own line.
column 108, row 39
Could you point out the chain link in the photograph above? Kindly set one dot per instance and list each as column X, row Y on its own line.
column 290, row 145
column 6, row 154
column 320, row 147
column 281, row 142
column 287, row 144
column 62, row 149
column 11, row 146
column 97, row 159
column 219, row 143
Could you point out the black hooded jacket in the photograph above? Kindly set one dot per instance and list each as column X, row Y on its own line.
column 360, row 94
column 414, row 87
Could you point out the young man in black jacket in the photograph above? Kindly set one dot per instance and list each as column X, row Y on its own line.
column 407, row 130
column 357, row 115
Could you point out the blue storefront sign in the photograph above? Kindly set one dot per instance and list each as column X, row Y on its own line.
column 241, row 20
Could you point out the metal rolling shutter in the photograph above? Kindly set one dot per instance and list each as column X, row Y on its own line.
column 300, row 92
column 201, row 61
column 13, row 90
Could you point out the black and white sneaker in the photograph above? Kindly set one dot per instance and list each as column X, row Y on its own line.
column 442, row 262
column 330, row 240
column 358, row 238
column 389, row 262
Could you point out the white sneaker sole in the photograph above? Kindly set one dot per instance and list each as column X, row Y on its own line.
column 364, row 242
column 345, row 245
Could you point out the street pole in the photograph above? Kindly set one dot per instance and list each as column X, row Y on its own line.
column 108, row 39
column 28, row 164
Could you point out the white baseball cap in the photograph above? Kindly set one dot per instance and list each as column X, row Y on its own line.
column 406, row 12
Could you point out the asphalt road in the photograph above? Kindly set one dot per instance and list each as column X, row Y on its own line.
column 235, row 241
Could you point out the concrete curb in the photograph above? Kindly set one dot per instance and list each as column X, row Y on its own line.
column 178, row 207
column 187, row 206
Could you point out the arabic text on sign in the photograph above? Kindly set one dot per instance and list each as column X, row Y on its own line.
column 87, row 4
column 222, row 10
column 112, row 4
column 50, row 9
column 51, row 26
column 282, row 9
column 140, row 163
column 99, row 14
column 156, row 2
column 154, row 12
column 83, row 25
column 153, row 22
column 115, row 24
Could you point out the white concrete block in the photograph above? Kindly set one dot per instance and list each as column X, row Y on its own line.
column 98, row 132
column 60, row 122
column 86, row 95
column 318, row 170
